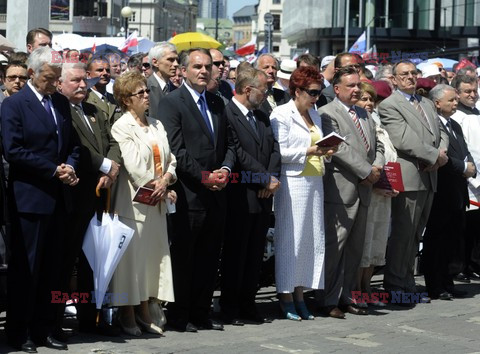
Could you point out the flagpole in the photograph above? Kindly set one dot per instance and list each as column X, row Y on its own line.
column 347, row 20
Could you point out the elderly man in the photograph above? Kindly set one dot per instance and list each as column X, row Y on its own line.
column 38, row 37
column 99, row 167
column 40, row 145
column 468, row 116
column 115, row 69
column 442, row 246
column 269, row 65
column 348, row 184
column 250, row 204
column 421, row 143
column 99, row 67
column 163, row 58
column 198, row 134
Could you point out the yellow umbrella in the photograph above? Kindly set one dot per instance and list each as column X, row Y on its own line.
column 189, row 40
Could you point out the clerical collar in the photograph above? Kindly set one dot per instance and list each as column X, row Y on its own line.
column 467, row 110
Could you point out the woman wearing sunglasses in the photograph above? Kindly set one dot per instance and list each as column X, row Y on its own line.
column 299, row 226
column 144, row 271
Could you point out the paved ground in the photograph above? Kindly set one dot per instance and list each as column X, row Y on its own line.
column 439, row 327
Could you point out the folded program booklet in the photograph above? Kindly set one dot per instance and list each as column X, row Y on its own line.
column 143, row 195
column 391, row 177
column 331, row 139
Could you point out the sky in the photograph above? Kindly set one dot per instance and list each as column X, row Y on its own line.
column 235, row 5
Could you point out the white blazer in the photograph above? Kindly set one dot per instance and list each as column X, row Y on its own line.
column 138, row 166
column 293, row 136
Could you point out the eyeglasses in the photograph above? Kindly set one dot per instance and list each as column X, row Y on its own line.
column 262, row 91
column 218, row 63
column 313, row 93
column 353, row 66
column 12, row 78
column 146, row 65
column 414, row 73
column 140, row 93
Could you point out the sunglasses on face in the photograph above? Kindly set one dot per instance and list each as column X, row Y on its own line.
column 146, row 65
column 140, row 93
column 218, row 63
column 312, row 93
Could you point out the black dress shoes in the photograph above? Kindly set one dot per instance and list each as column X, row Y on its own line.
column 181, row 326
column 332, row 311
column 210, row 324
column 354, row 310
column 28, row 347
column 442, row 296
column 255, row 317
column 462, row 277
column 457, row 293
column 52, row 343
column 231, row 320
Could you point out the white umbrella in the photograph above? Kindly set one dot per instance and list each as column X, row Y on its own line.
column 5, row 44
column 104, row 245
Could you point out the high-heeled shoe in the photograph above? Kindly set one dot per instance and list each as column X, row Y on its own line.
column 132, row 331
column 148, row 327
column 303, row 311
column 288, row 310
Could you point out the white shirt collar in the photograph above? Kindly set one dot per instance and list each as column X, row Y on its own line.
column 194, row 93
column 406, row 95
column 98, row 94
column 240, row 106
column 347, row 108
column 38, row 94
column 161, row 82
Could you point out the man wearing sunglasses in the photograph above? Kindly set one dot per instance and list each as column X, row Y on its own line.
column 163, row 58
column 217, row 85
column 348, row 184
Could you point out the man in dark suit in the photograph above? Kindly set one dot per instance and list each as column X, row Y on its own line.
column 99, row 67
column 40, row 145
column 200, row 140
column 275, row 97
column 164, row 59
column 443, row 241
column 249, row 202
column 99, row 167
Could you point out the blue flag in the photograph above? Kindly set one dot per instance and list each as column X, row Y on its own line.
column 360, row 45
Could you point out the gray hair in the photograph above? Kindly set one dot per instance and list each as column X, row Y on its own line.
column 255, row 65
column 159, row 50
column 70, row 66
column 42, row 56
column 438, row 91
column 384, row 72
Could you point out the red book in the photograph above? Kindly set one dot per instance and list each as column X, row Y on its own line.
column 391, row 177
column 143, row 195
column 331, row 139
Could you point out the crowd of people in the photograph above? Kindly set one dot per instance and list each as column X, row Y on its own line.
column 228, row 143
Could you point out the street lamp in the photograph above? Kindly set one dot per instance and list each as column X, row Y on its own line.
column 126, row 12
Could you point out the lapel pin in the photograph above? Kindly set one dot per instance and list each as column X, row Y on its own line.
column 93, row 119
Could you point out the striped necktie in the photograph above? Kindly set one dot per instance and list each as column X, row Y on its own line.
column 357, row 123
column 420, row 110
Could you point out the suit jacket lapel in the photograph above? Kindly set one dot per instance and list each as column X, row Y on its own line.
column 408, row 106
column 243, row 121
column 139, row 131
column 97, row 134
column 39, row 111
column 297, row 118
column 193, row 108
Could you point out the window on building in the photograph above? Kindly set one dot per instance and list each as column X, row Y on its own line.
column 132, row 18
column 276, row 22
column 90, row 8
column 398, row 13
column 3, row 6
column 276, row 48
column 422, row 14
column 276, row 2
column 470, row 12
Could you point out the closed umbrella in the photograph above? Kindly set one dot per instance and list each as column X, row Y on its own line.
column 190, row 40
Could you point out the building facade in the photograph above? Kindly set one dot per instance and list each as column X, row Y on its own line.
column 243, row 25
column 394, row 25
column 280, row 46
column 156, row 19
column 208, row 8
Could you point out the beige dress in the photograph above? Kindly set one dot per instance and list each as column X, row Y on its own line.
column 145, row 269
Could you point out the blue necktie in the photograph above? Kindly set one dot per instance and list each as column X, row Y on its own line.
column 253, row 123
column 203, row 110
column 48, row 107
